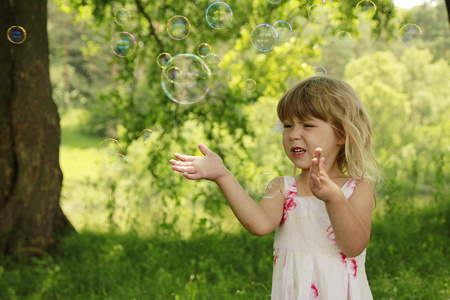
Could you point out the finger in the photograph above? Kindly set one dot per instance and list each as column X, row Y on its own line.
column 318, row 152
column 203, row 149
column 315, row 181
column 184, row 157
column 184, row 169
column 181, row 163
column 191, row 176
column 315, row 166
column 317, row 155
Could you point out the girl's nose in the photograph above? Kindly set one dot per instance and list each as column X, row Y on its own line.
column 296, row 133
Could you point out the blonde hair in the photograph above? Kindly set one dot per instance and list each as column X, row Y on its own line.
column 337, row 103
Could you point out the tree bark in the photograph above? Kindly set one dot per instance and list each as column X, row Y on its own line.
column 31, row 218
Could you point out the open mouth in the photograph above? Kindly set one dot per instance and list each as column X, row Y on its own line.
column 297, row 151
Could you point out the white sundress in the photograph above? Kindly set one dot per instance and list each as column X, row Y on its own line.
column 308, row 263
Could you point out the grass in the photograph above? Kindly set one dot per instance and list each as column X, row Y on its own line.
column 407, row 257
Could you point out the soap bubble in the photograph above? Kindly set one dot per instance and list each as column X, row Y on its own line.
column 16, row 34
column 271, row 133
column 317, row 12
column 264, row 37
column 274, row 1
column 284, row 30
column 366, row 9
column 146, row 134
column 108, row 149
column 320, row 70
column 266, row 185
column 203, row 49
column 343, row 38
column 123, row 44
column 410, row 34
column 116, row 167
column 122, row 16
column 173, row 73
column 163, row 59
column 214, row 62
column 191, row 81
column 249, row 85
column 219, row 15
column 178, row 27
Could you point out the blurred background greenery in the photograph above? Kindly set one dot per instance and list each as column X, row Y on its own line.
column 149, row 233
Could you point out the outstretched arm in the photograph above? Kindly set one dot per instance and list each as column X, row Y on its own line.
column 258, row 218
column 351, row 219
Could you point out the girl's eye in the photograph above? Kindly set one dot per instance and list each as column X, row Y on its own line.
column 287, row 126
column 308, row 125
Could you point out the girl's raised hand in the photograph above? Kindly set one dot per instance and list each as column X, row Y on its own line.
column 210, row 166
column 321, row 185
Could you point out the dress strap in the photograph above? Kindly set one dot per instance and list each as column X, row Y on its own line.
column 289, row 184
column 349, row 187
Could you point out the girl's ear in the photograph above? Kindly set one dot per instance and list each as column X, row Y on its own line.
column 341, row 140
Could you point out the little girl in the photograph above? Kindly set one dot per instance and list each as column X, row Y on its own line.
column 322, row 215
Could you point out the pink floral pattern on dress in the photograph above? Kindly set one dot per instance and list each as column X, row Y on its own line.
column 352, row 183
column 314, row 291
column 350, row 264
column 289, row 202
column 275, row 256
column 330, row 235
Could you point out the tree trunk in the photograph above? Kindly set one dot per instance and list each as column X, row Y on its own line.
column 31, row 218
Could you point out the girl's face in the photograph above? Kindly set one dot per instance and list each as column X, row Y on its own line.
column 302, row 137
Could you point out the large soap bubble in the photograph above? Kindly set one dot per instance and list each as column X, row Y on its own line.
column 186, row 78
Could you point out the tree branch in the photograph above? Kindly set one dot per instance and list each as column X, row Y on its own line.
column 152, row 29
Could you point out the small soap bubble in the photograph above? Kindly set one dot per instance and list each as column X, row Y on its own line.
column 284, row 30
column 214, row 62
column 280, row 127
column 16, row 34
column 317, row 12
column 173, row 73
column 203, row 49
column 109, row 148
column 163, row 59
column 266, row 185
column 366, row 9
column 122, row 16
column 343, row 38
column 123, row 44
column 320, row 70
column 410, row 34
column 117, row 167
column 178, row 27
column 249, row 85
column 146, row 134
column 186, row 78
column 274, row 1
column 219, row 15
column 271, row 132
column 264, row 37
